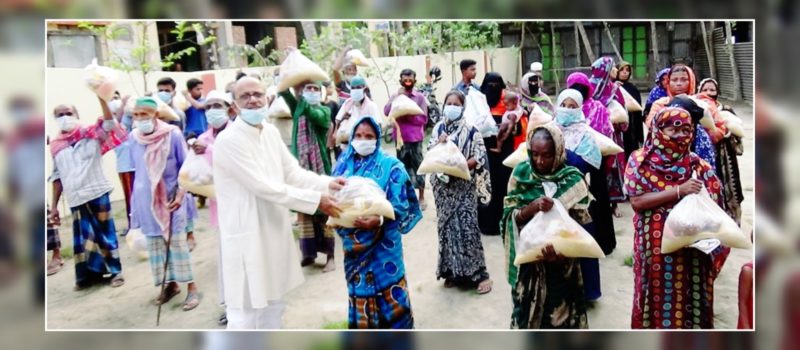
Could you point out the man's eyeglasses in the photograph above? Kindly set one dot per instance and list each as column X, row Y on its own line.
column 247, row 97
column 68, row 114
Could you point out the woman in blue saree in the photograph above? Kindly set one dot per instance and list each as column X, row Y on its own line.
column 374, row 268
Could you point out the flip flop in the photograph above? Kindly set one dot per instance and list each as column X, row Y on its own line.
column 484, row 283
column 191, row 302
column 169, row 293
column 117, row 281
column 54, row 266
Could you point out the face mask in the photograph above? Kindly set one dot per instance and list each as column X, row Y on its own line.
column 115, row 105
column 357, row 94
column 452, row 112
column 145, row 126
column 567, row 116
column 253, row 116
column 364, row 147
column 312, row 97
column 217, row 117
column 533, row 88
column 67, row 123
column 164, row 96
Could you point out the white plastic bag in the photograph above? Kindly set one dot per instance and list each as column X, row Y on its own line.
column 165, row 112
column 101, row 80
column 355, row 56
column 555, row 227
column 403, row 106
column 279, row 109
column 360, row 196
column 445, row 159
column 537, row 117
column 734, row 124
column 344, row 130
column 697, row 217
column 607, row 146
column 297, row 68
column 197, row 176
column 617, row 113
column 137, row 242
column 478, row 113
column 707, row 121
column 630, row 103
column 520, row 155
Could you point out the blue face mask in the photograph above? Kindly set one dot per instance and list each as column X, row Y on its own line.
column 145, row 126
column 452, row 112
column 312, row 97
column 217, row 117
column 357, row 94
column 567, row 116
column 165, row 96
column 253, row 116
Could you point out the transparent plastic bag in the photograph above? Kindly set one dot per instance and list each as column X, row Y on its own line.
column 445, row 159
column 478, row 113
column 697, row 217
column 137, row 242
column 297, row 68
column 520, row 155
column 279, row 109
column 617, row 113
column 555, row 227
column 630, row 103
column 360, row 196
column 607, row 146
column 402, row 106
column 101, row 80
column 197, row 176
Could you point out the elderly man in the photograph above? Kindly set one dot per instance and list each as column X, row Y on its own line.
column 78, row 173
column 257, row 182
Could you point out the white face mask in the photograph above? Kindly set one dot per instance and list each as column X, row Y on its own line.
column 115, row 105
column 357, row 94
column 253, row 116
column 452, row 112
column 145, row 126
column 217, row 117
column 67, row 123
column 364, row 147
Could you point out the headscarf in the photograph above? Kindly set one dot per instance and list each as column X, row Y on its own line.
column 527, row 185
column 577, row 133
column 658, row 91
column 623, row 64
column 604, row 89
column 595, row 112
column 692, row 80
column 540, row 98
column 707, row 80
column 157, row 147
column 493, row 95
column 390, row 175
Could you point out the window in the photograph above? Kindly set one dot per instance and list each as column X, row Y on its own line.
column 71, row 49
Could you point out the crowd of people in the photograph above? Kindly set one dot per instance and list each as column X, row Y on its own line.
column 271, row 175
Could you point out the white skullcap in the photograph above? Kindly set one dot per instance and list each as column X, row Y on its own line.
column 536, row 67
column 219, row 95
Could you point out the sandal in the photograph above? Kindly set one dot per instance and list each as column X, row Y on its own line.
column 191, row 302
column 484, row 287
column 423, row 205
column 223, row 319
column 117, row 281
column 54, row 266
column 169, row 293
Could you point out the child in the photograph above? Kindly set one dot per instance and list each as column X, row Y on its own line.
column 514, row 122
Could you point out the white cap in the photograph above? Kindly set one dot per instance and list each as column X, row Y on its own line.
column 536, row 67
column 219, row 95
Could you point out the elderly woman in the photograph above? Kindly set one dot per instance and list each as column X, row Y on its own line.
column 158, row 206
column 461, row 258
column 374, row 268
column 547, row 293
column 671, row 290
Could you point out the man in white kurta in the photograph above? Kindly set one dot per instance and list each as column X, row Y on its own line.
column 257, row 182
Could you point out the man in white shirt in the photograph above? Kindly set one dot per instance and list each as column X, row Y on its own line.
column 257, row 182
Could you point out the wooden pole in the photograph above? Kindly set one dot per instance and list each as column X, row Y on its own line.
column 578, row 45
column 709, row 53
column 521, row 50
column 654, row 44
column 586, row 41
column 552, row 56
column 611, row 39
column 737, row 88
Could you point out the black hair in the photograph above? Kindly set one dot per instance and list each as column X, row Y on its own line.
column 583, row 89
column 408, row 72
column 240, row 75
column 466, row 63
column 685, row 102
column 457, row 93
column 166, row 81
column 192, row 83
column 541, row 133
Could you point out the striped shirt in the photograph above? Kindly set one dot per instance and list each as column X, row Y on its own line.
column 80, row 170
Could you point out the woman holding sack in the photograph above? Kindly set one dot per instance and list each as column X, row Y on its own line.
column 374, row 268
column 547, row 293
column 461, row 257
column 671, row 290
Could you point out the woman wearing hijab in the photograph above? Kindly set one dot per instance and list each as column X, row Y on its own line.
column 658, row 91
column 583, row 153
column 681, row 80
column 671, row 290
column 634, row 135
column 547, row 293
column 489, row 217
column 727, row 150
column 605, row 90
column 595, row 112
column 461, row 258
column 531, row 94
column 374, row 268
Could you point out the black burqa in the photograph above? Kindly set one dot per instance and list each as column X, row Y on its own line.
column 633, row 138
column 490, row 216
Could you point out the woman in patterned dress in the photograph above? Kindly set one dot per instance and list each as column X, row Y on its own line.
column 671, row 290
column 461, row 259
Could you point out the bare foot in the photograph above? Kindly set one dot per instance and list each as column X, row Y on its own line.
column 485, row 286
column 191, row 241
column 615, row 212
column 329, row 266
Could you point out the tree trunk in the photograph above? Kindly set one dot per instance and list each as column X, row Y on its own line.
column 711, row 61
column 586, row 43
column 737, row 87
column 612, row 41
column 309, row 31
column 552, row 54
column 654, row 44
column 521, row 50
column 578, row 45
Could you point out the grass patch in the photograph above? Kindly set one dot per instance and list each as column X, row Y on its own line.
column 335, row 325
column 66, row 252
column 628, row 261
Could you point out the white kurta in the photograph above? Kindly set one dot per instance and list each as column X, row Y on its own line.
column 257, row 182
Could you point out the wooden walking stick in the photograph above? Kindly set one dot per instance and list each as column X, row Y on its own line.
column 166, row 263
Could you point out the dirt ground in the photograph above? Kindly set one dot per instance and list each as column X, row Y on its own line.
column 321, row 302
